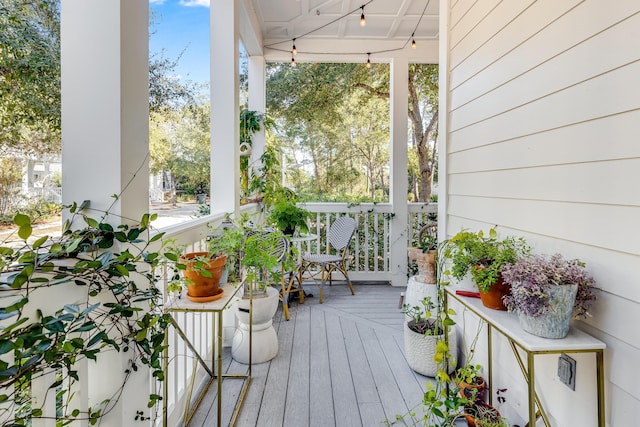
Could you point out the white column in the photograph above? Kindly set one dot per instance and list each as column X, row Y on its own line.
column 399, row 175
column 443, row 122
column 105, row 98
column 257, row 102
column 225, row 133
column 105, row 128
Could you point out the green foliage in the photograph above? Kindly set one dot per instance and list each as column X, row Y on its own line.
column 421, row 317
column 442, row 403
column 120, row 312
column 286, row 215
column 30, row 76
column 265, row 181
column 262, row 258
column 166, row 92
column 469, row 373
column 483, row 256
column 229, row 240
column 10, row 179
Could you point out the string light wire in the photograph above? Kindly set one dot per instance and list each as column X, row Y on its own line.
column 410, row 39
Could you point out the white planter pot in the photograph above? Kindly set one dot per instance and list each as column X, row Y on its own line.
column 420, row 350
column 265, row 341
column 417, row 290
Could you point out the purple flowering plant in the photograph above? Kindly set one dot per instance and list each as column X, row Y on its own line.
column 531, row 279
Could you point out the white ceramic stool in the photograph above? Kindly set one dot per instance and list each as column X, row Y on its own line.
column 265, row 340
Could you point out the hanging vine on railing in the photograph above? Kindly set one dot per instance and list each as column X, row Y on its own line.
column 119, row 310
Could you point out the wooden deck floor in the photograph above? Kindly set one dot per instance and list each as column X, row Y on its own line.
column 339, row 363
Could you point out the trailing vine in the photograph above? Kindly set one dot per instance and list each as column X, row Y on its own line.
column 119, row 311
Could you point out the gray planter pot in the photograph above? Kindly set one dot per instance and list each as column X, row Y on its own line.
column 556, row 323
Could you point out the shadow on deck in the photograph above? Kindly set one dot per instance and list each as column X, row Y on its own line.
column 339, row 363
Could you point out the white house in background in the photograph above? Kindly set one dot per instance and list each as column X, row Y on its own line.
column 539, row 130
column 40, row 176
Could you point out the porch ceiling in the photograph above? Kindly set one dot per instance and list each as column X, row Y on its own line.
column 269, row 26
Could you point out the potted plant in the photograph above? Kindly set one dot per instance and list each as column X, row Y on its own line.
column 286, row 215
column 421, row 336
column 471, row 382
column 262, row 254
column 202, row 274
column 483, row 257
column 441, row 403
column 547, row 292
column 481, row 414
column 229, row 239
column 424, row 253
column 197, row 272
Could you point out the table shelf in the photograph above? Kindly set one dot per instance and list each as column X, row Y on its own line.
column 184, row 305
column 508, row 325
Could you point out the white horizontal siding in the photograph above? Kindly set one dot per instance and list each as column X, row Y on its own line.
column 603, row 139
column 556, row 74
column 542, row 140
column 602, row 96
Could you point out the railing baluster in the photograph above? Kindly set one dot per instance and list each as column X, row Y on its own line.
column 376, row 228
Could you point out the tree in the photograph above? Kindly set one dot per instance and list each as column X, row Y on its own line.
column 179, row 147
column 30, row 76
column 423, row 113
column 311, row 97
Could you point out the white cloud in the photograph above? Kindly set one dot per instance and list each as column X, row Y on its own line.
column 190, row 3
column 156, row 1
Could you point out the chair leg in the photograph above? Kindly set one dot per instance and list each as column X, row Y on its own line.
column 343, row 270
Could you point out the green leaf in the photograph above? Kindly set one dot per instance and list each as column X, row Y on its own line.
column 40, row 242
column 6, row 346
column 122, row 270
column 21, row 220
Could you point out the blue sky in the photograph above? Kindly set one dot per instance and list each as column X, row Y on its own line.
column 182, row 25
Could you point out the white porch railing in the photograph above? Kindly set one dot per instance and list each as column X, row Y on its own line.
column 370, row 262
column 370, row 252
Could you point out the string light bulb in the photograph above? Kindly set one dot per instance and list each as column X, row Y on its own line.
column 363, row 21
column 413, row 42
column 294, row 51
column 368, row 59
column 293, row 61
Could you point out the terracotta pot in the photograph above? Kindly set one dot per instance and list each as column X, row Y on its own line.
column 493, row 298
column 467, row 390
column 200, row 287
column 471, row 417
column 426, row 263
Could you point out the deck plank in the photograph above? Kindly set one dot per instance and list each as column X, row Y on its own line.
column 340, row 363
column 297, row 405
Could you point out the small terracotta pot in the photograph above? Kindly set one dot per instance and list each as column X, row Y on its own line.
column 493, row 298
column 471, row 418
column 200, row 286
column 466, row 390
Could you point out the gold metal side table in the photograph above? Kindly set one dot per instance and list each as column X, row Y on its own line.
column 507, row 324
column 214, row 371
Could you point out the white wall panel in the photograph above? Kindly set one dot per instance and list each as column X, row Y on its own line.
column 474, row 16
column 568, row 221
column 495, row 15
column 560, row 36
column 603, row 139
column 572, row 67
column 543, row 142
column 520, row 29
column 598, row 183
column 605, row 95
column 459, row 9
